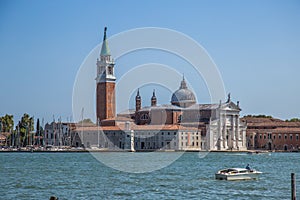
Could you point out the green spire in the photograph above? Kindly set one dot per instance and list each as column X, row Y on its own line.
column 105, row 50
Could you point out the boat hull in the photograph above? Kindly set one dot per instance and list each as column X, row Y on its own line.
column 237, row 177
column 237, row 174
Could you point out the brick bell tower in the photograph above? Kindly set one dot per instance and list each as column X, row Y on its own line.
column 106, row 81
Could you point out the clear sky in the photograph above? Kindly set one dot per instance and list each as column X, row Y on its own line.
column 255, row 44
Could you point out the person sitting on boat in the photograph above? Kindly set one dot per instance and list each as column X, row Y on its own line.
column 248, row 167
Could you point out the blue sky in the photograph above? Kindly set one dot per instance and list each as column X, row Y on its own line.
column 255, row 44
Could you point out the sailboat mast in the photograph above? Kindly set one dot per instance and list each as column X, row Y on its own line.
column 82, row 142
column 43, row 132
column 98, row 133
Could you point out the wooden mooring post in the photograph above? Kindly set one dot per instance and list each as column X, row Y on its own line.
column 293, row 184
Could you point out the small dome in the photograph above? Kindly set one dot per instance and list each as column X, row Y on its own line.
column 183, row 97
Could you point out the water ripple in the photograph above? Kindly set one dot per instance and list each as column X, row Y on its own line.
column 81, row 176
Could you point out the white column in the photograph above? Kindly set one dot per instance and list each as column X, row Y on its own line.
column 132, row 141
column 233, row 127
column 233, row 132
column 243, row 137
column 220, row 125
column 238, row 127
column 237, row 132
column 226, row 144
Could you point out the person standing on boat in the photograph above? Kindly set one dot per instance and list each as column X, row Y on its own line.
column 248, row 167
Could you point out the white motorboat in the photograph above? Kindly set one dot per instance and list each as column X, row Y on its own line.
column 237, row 174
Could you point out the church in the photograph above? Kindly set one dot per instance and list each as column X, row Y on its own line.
column 182, row 125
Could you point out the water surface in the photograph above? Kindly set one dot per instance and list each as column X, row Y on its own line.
column 80, row 176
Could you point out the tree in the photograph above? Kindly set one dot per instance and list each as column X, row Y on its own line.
column 6, row 123
column 260, row 116
column 26, row 126
column 86, row 121
column 293, row 120
column 38, row 133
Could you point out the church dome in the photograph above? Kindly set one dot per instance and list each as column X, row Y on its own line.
column 183, row 97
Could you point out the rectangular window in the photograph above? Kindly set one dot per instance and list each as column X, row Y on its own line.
column 291, row 137
column 279, row 136
column 297, row 137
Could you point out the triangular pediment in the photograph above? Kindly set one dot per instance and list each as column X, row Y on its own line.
column 230, row 106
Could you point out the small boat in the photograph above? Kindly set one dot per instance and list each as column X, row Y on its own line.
column 237, row 174
column 259, row 152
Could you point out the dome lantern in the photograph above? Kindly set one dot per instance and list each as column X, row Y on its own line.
column 183, row 97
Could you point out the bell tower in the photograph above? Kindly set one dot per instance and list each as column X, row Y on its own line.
column 153, row 99
column 106, row 81
column 138, row 101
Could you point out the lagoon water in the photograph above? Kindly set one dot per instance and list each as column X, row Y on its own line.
column 81, row 176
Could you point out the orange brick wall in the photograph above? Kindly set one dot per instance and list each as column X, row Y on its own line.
column 276, row 141
column 106, row 100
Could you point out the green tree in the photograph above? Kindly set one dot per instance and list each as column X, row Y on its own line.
column 38, row 133
column 26, row 125
column 6, row 123
column 260, row 116
column 293, row 120
column 86, row 121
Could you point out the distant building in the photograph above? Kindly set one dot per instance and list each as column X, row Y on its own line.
column 3, row 138
column 58, row 133
column 183, row 125
column 272, row 134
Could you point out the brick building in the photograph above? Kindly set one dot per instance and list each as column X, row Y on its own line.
column 181, row 125
column 272, row 134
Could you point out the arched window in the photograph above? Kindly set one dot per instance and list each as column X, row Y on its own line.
column 110, row 70
column 179, row 118
column 144, row 117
